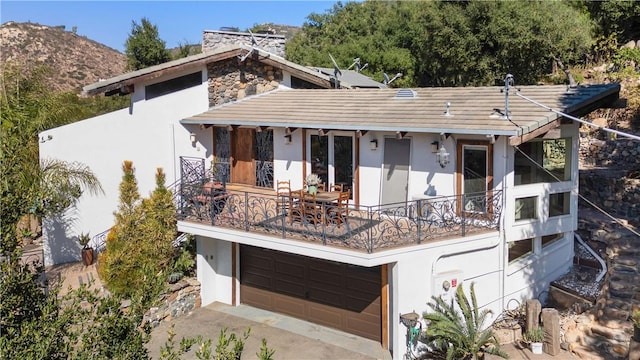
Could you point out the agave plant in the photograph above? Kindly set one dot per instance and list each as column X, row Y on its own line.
column 454, row 331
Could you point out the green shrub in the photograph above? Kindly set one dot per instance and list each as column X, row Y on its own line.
column 139, row 250
column 535, row 334
column 456, row 332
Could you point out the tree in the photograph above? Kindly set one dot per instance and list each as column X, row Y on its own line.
column 27, row 107
column 455, row 332
column 144, row 47
column 441, row 43
column 139, row 247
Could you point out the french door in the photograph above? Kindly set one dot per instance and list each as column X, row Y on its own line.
column 474, row 173
column 332, row 158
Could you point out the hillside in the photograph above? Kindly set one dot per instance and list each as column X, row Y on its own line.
column 75, row 60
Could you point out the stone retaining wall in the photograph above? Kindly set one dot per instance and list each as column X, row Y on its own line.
column 613, row 152
column 619, row 196
column 181, row 299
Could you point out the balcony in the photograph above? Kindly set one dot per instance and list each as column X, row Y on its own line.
column 364, row 228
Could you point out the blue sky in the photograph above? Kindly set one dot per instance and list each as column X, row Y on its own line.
column 109, row 22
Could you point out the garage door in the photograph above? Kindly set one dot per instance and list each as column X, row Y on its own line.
column 333, row 294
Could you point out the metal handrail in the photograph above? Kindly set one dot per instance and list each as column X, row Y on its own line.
column 367, row 228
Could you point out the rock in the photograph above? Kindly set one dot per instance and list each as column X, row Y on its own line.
column 573, row 336
column 630, row 44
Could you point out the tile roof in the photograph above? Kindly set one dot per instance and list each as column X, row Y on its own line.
column 473, row 110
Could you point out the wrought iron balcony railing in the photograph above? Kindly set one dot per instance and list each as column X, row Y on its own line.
column 366, row 228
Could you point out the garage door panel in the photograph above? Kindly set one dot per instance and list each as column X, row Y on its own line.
column 288, row 305
column 288, row 269
column 325, row 315
column 361, row 327
column 360, row 305
column 329, row 276
column 341, row 296
column 256, row 297
column 332, row 298
column 295, row 289
column 364, row 284
column 257, row 280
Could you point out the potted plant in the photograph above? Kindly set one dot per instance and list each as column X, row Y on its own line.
column 87, row 251
column 312, row 182
column 635, row 319
column 535, row 337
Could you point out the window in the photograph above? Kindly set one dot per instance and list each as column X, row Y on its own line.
column 559, row 204
column 526, row 208
column 172, row 85
column 520, row 248
column 550, row 239
column 551, row 161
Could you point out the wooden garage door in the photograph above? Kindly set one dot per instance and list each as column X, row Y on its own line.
column 333, row 294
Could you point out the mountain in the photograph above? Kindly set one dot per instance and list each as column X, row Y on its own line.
column 75, row 60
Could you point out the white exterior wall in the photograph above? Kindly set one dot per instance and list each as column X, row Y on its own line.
column 214, row 271
column 529, row 276
column 147, row 133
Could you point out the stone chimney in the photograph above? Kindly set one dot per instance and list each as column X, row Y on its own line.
column 268, row 42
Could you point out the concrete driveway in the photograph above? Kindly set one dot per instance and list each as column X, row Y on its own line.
column 289, row 337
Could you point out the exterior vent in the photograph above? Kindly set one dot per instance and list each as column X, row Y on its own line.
column 406, row 94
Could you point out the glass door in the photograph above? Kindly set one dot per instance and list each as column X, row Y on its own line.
column 474, row 175
column 331, row 157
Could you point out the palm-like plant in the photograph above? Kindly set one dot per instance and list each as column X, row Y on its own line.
column 455, row 332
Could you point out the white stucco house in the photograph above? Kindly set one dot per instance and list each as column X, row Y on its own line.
column 447, row 185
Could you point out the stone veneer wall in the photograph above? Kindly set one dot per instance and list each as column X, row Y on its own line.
column 230, row 81
column 181, row 298
column 271, row 43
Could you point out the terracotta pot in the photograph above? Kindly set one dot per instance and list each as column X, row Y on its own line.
column 87, row 256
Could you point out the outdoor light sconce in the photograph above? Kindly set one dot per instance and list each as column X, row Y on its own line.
column 434, row 146
column 193, row 138
column 373, row 144
column 442, row 156
column 287, row 139
column 409, row 320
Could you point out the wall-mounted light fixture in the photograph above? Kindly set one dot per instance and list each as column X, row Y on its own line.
column 193, row 138
column 287, row 139
column 373, row 144
column 442, row 156
column 434, row 146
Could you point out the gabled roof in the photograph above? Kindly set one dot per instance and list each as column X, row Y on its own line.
column 356, row 79
column 473, row 110
column 123, row 83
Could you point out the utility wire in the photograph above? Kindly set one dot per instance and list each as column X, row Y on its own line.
column 580, row 196
column 635, row 137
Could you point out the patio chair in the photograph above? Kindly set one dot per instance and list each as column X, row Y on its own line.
column 296, row 212
column 336, row 187
column 283, row 192
column 339, row 213
column 312, row 211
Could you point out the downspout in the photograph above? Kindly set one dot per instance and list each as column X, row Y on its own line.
column 603, row 271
